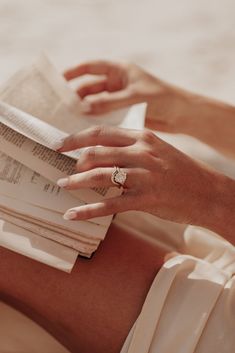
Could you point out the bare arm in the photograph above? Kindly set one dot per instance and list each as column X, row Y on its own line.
column 209, row 120
column 170, row 108
column 160, row 180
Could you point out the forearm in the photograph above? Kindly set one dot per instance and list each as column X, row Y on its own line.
column 179, row 111
column 216, row 207
column 212, row 122
column 170, row 108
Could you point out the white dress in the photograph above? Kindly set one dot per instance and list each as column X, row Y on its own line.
column 190, row 307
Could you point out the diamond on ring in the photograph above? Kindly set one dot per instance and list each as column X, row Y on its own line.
column 118, row 177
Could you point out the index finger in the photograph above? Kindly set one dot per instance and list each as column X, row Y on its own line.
column 99, row 67
column 100, row 135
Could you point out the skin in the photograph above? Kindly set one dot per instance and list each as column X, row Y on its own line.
column 93, row 308
column 82, row 309
column 170, row 108
column 154, row 183
column 160, row 179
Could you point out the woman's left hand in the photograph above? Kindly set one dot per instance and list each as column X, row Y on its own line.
column 160, row 179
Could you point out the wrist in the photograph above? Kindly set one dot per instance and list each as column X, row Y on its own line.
column 207, row 118
column 189, row 109
column 168, row 108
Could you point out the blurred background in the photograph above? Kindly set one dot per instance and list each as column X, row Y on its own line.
column 188, row 42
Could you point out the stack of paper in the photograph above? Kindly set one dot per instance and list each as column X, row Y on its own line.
column 31, row 204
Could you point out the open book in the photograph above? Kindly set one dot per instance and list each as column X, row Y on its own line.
column 37, row 110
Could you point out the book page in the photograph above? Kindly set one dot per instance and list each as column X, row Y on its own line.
column 78, row 230
column 34, row 128
column 84, row 248
column 22, row 183
column 36, row 247
column 31, row 127
column 50, row 164
column 18, row 181
column 43, row 92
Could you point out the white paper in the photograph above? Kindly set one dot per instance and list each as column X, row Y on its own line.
column 40, row 91
column 38, row 248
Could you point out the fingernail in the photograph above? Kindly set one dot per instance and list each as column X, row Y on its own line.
column 69, row 215
column 85, row 107
column 62, row 182
column 58, row 145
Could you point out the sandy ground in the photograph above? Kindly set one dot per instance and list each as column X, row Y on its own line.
column 188, row 42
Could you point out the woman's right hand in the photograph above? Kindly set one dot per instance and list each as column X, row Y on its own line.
column 123, row 84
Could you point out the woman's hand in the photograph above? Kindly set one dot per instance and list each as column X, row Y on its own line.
column 123, row 84
column 160, row 179
column 170, row 108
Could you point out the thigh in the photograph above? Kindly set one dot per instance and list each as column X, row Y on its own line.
column 93, row 308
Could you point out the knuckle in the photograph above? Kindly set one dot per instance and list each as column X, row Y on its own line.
column 98, row 176
column 148, row 136
column 72, row 139
column 82, row 91
column 145, row 156
column 97, row 131
column 89, row 154
column 141, row 152
column 163, row 166
column 89, row 213
column 86, row 66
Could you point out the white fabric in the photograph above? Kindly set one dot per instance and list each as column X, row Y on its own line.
column 189, row 308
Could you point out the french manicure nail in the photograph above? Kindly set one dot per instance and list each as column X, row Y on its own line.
column 69, row 215
column 62, row 182
column 86, row 107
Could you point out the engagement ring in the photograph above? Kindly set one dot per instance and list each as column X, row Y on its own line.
column 118, row 177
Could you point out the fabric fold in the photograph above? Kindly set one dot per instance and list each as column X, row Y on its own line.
column 178, row 307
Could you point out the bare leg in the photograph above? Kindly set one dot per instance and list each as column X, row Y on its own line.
column 92, row 309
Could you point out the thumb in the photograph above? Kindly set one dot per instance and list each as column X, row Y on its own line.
column 105, row 102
